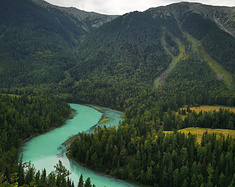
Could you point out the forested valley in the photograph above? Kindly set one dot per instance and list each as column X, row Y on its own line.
column 153, row 65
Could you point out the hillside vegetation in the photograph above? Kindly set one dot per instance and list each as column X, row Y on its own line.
column 148, row 64
column 210, row 108
column 200, row 131
column 21, row 118
column 37, row 43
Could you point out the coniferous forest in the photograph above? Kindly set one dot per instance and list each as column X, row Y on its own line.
column 152, row 65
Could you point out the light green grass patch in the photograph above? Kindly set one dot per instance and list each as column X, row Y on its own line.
column 105, row 120
column 207, row 108
column 199, row 132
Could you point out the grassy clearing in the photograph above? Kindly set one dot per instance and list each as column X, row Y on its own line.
column 210, row 108
column 105, row 120
column 199, row 132
column 97, row 108
column 216, row 67
column 12, row 95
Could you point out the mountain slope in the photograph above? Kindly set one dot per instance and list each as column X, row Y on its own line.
column 138, row 47
column 90, row 20
column 121, row 59
column 37, row 43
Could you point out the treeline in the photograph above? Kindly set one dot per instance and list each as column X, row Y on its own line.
column 22, row 117
column 191, row 82
column 157, row 159
column 29, row 53
column 223, row 119
column 28, row 176
column 138, row 151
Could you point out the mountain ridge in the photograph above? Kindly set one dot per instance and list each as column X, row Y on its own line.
column 122, row 57
column 215, row 13
column 95, row 19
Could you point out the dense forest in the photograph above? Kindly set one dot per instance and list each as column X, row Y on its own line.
column 21, row 117
column 50, row 56
column 139, row 152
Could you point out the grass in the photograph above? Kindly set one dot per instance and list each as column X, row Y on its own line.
column 210, row 108
column 199, row 132
column 105, row 120
column 97, row 108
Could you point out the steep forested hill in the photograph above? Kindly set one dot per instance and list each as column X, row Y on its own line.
column 177, row 46
column 68, row 50
column 37, row 43
column 148, row 64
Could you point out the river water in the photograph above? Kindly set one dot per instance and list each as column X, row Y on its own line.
column 44, row 151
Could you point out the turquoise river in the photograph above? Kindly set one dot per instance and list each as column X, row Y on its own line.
column 44, row 151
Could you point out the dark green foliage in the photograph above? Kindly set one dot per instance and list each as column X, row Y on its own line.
column 35, row 43
column 80, row 182
column 118, row 61
column 129, row 47
column 219, row 44
column 194, row 81
column 171, row 45
column 158, row 159
column 121, row 59
column 115, row 66
column 20, row 118
column 29, row 177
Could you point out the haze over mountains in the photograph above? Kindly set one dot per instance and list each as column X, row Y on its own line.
column 73, row 50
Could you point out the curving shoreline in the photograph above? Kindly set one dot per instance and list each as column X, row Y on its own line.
column 105, row 114
column 44, row 151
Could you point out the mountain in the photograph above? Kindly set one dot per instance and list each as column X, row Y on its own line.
column 37, row 41
column 184, row 50
column 90, row 20
column 153, row 65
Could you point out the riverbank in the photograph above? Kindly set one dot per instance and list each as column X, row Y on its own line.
column 112, row 121
column 113, row 117
column 102, row 172
column 45, row 151
column 71, row 116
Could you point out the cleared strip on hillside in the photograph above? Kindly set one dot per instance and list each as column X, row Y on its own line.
column 220, row 72
column 160, row 80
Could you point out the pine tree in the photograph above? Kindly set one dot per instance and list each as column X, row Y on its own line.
column 81, row 182
column 88, row 182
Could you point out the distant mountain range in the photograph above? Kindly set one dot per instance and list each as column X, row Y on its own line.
column 190, row 46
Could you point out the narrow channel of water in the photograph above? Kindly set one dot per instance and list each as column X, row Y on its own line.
column 44, row 151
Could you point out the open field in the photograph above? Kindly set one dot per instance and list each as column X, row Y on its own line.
column 199, row 132
column 211, row 108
